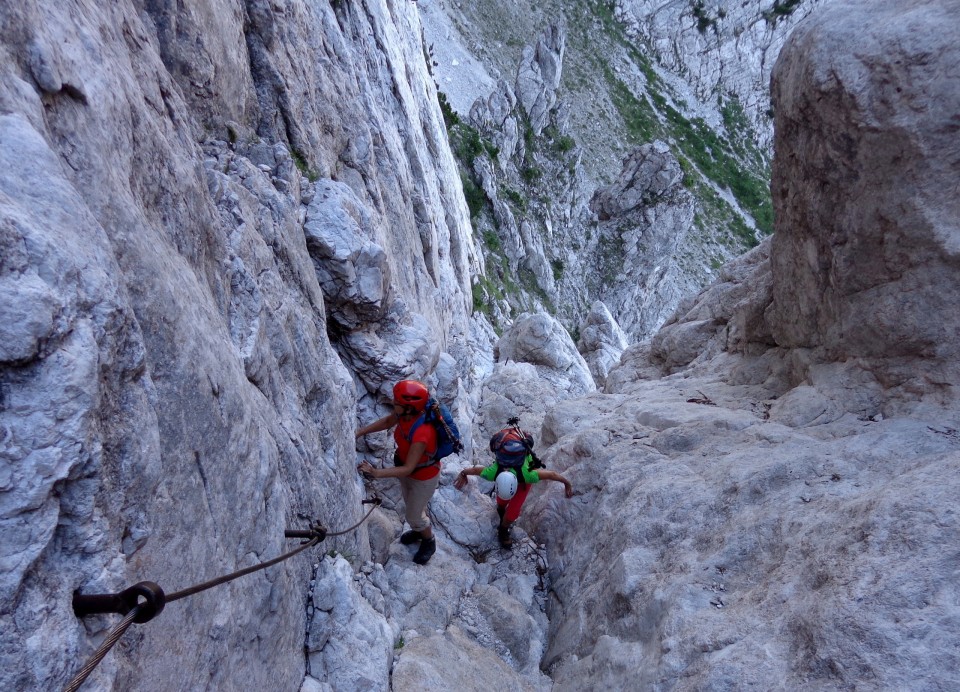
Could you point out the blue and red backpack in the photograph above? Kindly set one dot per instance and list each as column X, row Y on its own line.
column 448, row 435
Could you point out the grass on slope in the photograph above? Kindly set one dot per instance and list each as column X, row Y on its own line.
column 732, row 161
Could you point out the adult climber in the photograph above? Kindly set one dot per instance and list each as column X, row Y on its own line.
column 414, row 463
column 512, row 475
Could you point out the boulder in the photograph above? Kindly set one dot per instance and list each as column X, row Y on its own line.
column 542, row 341
column 539, row 76
column 601, row 341
column 865, row 256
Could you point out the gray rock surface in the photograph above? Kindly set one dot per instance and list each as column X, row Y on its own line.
column 884, row 230
column 225, row 232
column 775, row 513
column 727, row 549
column 719, row 46
column 692, row 76
column 175, row 387
column 539, row 76
column 601, row 342
column 453, row 661
column 727, row 315
column 476, row 607
column 543, row 342
column 645, row 216
column 349, row 643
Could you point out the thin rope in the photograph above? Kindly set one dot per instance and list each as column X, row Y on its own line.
column 98, row 655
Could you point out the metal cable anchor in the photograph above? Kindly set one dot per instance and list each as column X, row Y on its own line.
column 123, row 602
column 316, row 530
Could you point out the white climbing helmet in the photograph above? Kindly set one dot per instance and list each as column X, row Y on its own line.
column 506, row 485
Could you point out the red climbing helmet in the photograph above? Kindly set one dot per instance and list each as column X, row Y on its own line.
column 411, row 393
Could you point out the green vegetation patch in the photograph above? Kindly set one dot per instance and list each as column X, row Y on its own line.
column 732, row 165
column 561, row 144
column 638, row 115
column 530, row 284
column 557, row 266
column 300, row 161
column 704, row 21
column 719, row 213
column 450, row 117
column 564, row 143
column 781, row 9
column 516, row 199
column 531, row 174
column 467, row 144
column 491, row 240
column 476, row 199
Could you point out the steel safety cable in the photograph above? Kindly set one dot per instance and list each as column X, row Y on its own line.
column 183, row 593
column 102, row 651
column 315, row 535
column 177, row 595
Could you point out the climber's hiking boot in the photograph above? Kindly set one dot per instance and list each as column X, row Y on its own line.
column 503, row 535
column 410, row 537
column 428, row 546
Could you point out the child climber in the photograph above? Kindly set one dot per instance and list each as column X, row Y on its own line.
column 513, row 449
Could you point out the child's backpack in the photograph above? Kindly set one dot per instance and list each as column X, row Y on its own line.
column 511, row 446
column 448, row 435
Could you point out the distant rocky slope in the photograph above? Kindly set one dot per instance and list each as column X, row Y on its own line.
column 610, row 151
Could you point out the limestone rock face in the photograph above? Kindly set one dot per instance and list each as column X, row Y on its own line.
column 543, row 342
column 648, row 173
column 577, row 91
column 352, row 270
column 211, row 221
column 496, row 114
column 476, row 607
column 865, row 263
column 225, row 232
column 712, row 545
column 601, row 342
column 350, row 643
column 454, row 661
column 728, row 315
column 537, row 367
column 539, row 76
column 719, row 45
column 773, row 514
column 645, row 216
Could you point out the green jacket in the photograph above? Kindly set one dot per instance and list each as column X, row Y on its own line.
column 490, row 472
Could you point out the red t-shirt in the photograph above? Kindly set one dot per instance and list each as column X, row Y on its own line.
column 426, row 434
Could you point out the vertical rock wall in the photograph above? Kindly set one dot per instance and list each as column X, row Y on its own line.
column 170, row 398
column 877, row 160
